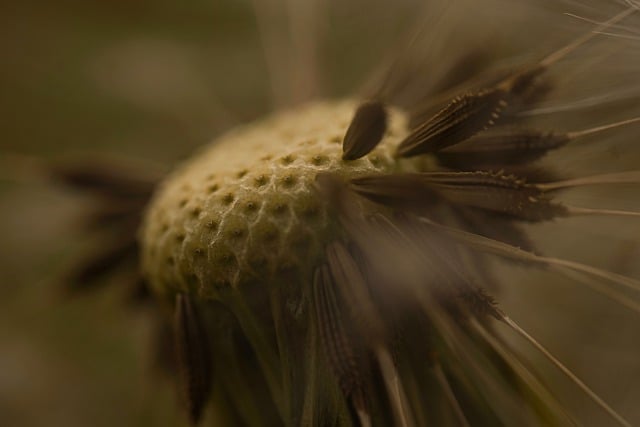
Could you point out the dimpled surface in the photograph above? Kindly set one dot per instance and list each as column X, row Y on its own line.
column 245, row 208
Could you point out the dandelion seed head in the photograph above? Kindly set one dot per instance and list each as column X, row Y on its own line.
column 257, row 185
column 356, row 235
column 334, row 263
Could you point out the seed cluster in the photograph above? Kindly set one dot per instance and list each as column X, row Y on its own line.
column 245, row 208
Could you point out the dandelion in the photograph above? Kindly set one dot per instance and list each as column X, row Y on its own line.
column 339, row 263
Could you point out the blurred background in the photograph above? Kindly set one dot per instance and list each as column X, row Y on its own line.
column 151, row 80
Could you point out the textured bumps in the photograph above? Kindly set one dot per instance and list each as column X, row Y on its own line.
column 245, row 209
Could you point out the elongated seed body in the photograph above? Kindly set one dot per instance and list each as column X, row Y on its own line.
column 245, row 208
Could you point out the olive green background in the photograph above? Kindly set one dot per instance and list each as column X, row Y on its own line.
column 152, row 80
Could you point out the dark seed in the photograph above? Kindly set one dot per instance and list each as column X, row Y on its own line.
column 504, row 149
column 104, row 179
column 399, row 190
column 365, row 131
column 497, row 192
column 99, row 265
column 193, row 357
column 114, row 213
column 465, row 116
column 480, row 303
column 334, row 338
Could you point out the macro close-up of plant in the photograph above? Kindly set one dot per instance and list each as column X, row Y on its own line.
column 322, row 213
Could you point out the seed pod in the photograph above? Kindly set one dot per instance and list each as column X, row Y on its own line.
column 365, row 130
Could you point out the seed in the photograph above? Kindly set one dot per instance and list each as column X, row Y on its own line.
column 365, row 130
column 193, row 356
